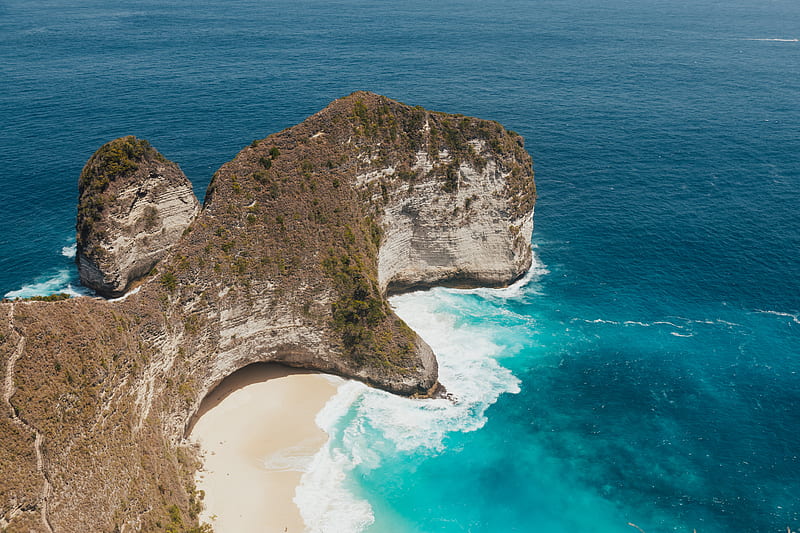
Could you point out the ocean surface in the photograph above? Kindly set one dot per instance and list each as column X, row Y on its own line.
column 646, row 372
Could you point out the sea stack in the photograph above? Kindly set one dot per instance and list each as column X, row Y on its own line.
column 133, row 205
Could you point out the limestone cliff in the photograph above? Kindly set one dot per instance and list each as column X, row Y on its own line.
column 133, row 206
column 301, row 237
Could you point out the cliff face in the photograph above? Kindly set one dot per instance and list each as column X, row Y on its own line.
column 469, row 226
column 301, row 237
column 133, row 206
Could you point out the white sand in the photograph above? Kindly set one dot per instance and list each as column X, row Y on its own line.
column 257, row 435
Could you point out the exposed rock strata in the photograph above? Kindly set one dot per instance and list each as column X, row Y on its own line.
column 472, row 236
column 290, row 260
column 133, row 207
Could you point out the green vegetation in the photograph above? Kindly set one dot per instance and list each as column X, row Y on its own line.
column 380, row 122
column 113, row 160
column 451, row 174
column 169, row 281
column 444, row 134
column 361, row 112
column 176, row 523
column 360, row 308
column 150, row 217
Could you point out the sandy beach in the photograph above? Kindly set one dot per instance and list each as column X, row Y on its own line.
column 257, row 435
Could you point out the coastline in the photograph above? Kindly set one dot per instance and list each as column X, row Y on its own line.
column 257, row 435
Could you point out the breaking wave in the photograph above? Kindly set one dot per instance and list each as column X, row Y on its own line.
column 367, row 426
column 794, row 317
column 775, row 40
column 63, row 281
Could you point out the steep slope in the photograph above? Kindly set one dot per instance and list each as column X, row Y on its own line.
column 301, row 237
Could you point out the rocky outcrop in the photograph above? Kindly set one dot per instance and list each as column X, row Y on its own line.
column 133, row 207
column 477, row 234
column 302, row 236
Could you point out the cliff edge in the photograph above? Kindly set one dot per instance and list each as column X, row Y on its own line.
column 302, row 236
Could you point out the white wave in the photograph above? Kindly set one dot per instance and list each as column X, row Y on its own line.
column 77, row 290
column 776, row 40
column 69, row 251
column 665, row 323
column 519, row 288
column 651, row 324
column 366, row 425
column 686, row 326
column 726, row 323
column 794, row 316
column 596, row 321
column 324, row 501
column 61, row 282
column 714, row 322
column 631, row 323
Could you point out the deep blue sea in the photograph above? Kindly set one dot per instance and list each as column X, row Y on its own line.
column 647, row 372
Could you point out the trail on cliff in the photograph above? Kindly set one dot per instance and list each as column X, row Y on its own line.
column 8, row 393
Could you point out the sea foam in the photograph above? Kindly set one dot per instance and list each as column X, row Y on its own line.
column 63, row 281
column 366, row 426
column 526, row 285
column 69, row 251
column 794, row 317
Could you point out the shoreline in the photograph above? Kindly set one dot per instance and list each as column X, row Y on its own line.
column 257, row 435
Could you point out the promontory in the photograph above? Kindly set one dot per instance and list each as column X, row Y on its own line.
column 301, row 238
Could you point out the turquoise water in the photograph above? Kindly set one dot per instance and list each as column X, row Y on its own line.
column 647, row 370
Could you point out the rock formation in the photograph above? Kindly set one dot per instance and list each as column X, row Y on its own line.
column 133, row 206
column 301, row 237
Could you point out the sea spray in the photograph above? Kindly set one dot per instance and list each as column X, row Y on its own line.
column 527, row 285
